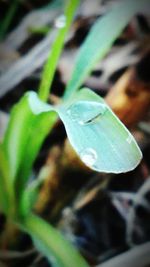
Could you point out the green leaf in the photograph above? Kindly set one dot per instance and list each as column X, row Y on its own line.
column 25, row 134
column 100, row 139
column 100, row 39
column 7, row 201
column 52, row 244
column 51, row 64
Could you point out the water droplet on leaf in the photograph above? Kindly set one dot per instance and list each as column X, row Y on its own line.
column 88, row 156
column 85, row 112
column 60, row 22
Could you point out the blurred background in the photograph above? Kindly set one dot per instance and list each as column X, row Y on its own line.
column 104, row 216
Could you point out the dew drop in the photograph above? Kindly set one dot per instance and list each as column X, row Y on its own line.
column 60, row 22
column 85, row 112
column 89, row 156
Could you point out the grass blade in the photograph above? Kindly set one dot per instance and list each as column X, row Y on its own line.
column 100, row 39
column 51, row 64
column 7, row 201
column 52, row 244
column 25, row 134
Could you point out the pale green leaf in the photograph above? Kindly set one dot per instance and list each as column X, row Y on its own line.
column 100, row 39
column 100, row 139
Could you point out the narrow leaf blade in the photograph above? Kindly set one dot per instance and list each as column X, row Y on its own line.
column 52, row 244
column 100, row 39
column 25, row 134
column 51, row 64
column 6, row 188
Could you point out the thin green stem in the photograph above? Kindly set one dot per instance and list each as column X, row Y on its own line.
column 51, row 64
